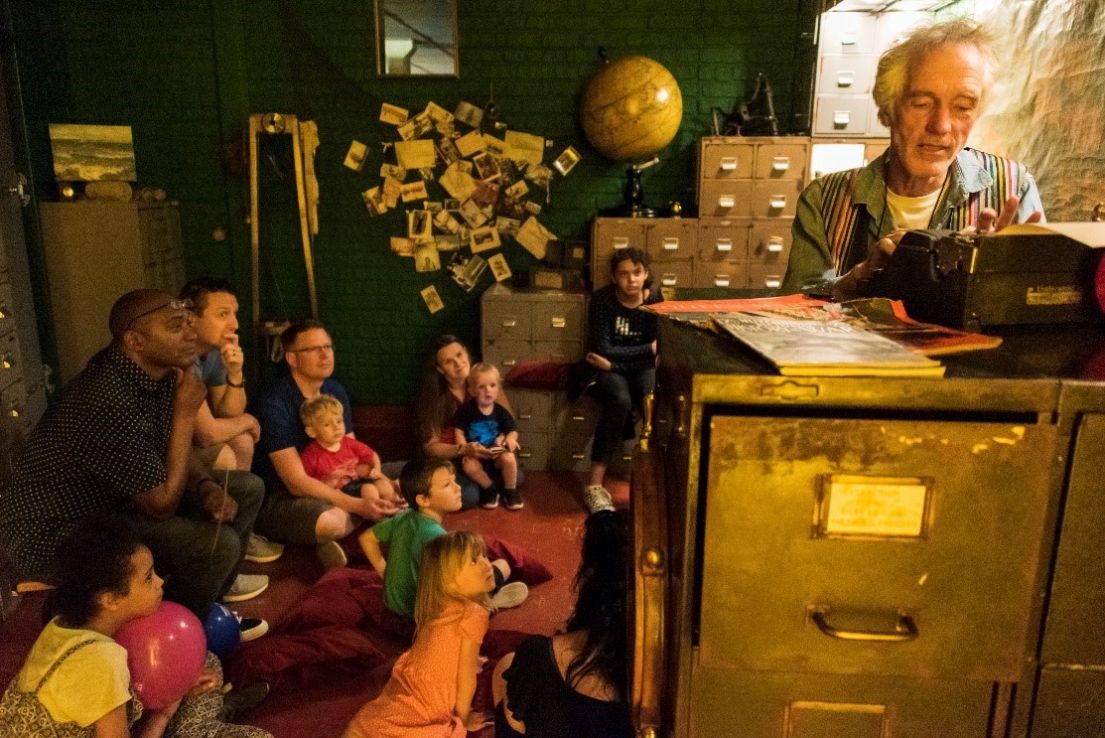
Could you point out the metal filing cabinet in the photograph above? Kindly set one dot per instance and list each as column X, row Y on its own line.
column 96, row 251
column 671, row 244
column 870, row 558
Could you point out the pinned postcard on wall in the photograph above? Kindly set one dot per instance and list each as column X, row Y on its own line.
column 485, row 238
column 470, row 143
column 374, row 201
column 448, row 151
column 419, row 225
column 495, row 146
column 432, row 299
column 456, row 181
column 415, row 154
column 446, row 222
column 473, row 215
column 393, row 170
column 525, row 146
column 426, row 258
column 567, row 160
column 517, row 190
column 499, row 268
column 392, row 189
column 469, row 114
column 436, row 113
column 507, row 226
column 484, row 194
column 413, row 191
column 434, row 206
column 534, row 237
column 415, row 127
column 402, row 246
column 487, row 167
column 539, row 175
column 531, row 207
column 467, row 271
column 393, row 114
column 447, row 242
column 354, row 158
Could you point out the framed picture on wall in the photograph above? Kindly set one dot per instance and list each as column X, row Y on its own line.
column 416, row 38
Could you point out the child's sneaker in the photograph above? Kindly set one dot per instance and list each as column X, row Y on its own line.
column 331, row 555
column 512, row 499
column 509, row 595
column 261, row 550
column 597, row 498
column 489, row 498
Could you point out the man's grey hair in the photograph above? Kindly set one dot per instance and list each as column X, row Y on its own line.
column 895, row 63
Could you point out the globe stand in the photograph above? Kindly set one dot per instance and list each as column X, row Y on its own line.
column 633, row 195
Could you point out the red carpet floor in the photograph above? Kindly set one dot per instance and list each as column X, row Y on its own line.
column 550, row 528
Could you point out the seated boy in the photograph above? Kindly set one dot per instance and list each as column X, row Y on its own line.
column 483, row 420
column 431, row 489
column 339, row 460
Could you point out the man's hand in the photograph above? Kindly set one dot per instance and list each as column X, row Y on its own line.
column 374, row 509
column 599, row 362
column 254, row 427
column 233, row 358
column 990, row 221
column 190, row 392
column 219, row 505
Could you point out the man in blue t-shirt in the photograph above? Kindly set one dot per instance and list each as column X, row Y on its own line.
column 299, row 508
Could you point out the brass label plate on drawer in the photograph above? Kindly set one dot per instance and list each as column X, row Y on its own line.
column 872, row 507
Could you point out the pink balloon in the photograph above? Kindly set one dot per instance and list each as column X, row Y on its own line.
column 165, row 652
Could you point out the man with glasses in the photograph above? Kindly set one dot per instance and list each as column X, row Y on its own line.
column 119, row 439
column 298, row 508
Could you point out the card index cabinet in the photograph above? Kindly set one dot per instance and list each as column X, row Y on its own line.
column 834, row 556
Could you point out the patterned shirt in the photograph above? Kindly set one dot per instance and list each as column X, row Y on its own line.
column 102, row 443
column 841, row 214
column 622, row 335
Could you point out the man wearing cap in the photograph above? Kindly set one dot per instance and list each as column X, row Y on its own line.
column 120, row 439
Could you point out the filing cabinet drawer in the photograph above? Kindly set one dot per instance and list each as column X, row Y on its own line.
column 721, row 274
column 7, row 308
column 847, row 33
column 558, row 320
column 611, row 234
column 766, row 276
column 13, row 406
column 507, row 354
column 534, row 410
column 841, row 115
column 723, row 159
column 724, row 241
column 533, row 453
column 506, row 319
column 847, row 75
column 672, row 274
column 781, row 161
column 725, row 199
column 775, row 199
column 561, row 351
column 11, row 361
column 672, row 239
column 770, row 242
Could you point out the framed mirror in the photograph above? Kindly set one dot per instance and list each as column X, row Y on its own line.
column 417, row 38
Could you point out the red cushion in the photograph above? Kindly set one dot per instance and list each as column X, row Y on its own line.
column 523, row 566
column 539, row 374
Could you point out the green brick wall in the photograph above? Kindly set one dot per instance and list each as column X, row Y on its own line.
column 186, row 74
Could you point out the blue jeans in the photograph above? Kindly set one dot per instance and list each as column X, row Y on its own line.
column 618, row 394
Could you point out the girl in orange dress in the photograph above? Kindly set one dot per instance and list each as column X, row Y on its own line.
column 430, row 691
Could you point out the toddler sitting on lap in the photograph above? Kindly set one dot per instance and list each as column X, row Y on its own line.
column 483, row 421
column 339, row 460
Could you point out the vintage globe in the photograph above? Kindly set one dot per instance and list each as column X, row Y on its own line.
column 631, row 108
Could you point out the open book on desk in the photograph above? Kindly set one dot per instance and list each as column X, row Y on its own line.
column 815, row 347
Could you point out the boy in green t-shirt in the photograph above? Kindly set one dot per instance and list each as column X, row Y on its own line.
column 431, row 489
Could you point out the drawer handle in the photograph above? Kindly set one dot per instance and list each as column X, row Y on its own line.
column 668, row 280
column 15, row 410
column 841, row 118
column 559, row 321
column 579, row 418
column 620, row 242
column 905, row 629
column 579, row 456
column 510, row 323
column 780, row 163
column 525, row 416
column 7, row 361
column 728, row 163
column 671, row 243
column 773, row 283
column 524, row 454
column 4, row 312
column 721, row 280
column 848, row 38
column 775, row 244
column 777, row 202
column 845, row 79
column 509, row 362
column 724, row 244
column 727, row 202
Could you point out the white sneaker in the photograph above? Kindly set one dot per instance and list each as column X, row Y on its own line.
column 246, row 587
column 331, row 555
column 597, row 498
column 251, row 628
column 510, row 595
column 261, row 550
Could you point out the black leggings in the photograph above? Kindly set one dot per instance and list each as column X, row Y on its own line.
column 618, row 394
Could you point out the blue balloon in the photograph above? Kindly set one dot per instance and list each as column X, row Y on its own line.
column 222, row 630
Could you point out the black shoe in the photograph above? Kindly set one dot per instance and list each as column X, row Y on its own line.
column 489, row 498
column 237, row 702
column 512, row 499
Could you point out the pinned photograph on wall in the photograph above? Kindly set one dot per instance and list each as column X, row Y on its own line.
column 419, row 226
column 525, row 146
column 482, row 239
column 487, row 167
column 416, row 127
column 467, row 271
column 469, row 114
column 436, row 113
column 457, row 182
column 434, row 206
column 427, row 174
column 415, row 154
column 393, row 170
column 402, row 246
column 540, row 175
column 374, row 201
column 432, row 299
column 518, row 189
column 448, row 151
column 85, row 153
column 499, row 268
column 426, row 258
column 473, row 215
column 495, row 146
column 507, row 226
column 532, row 207
column 354, row 158
column 447, row 242
column 393, row 189
column 414, row 191
column 534, row 237
column 451, row 203
column 393, row 114
column 484, row 194
column 470, row 143
column 567, row 160
column 446, row 222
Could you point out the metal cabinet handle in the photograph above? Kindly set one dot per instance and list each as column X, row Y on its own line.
column 904, row 630
column 510, row 322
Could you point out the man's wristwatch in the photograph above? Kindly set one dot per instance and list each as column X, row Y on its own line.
column 239, row 385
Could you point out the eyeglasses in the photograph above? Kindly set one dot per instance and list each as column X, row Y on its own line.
column 319, row 350
column 171, row 304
